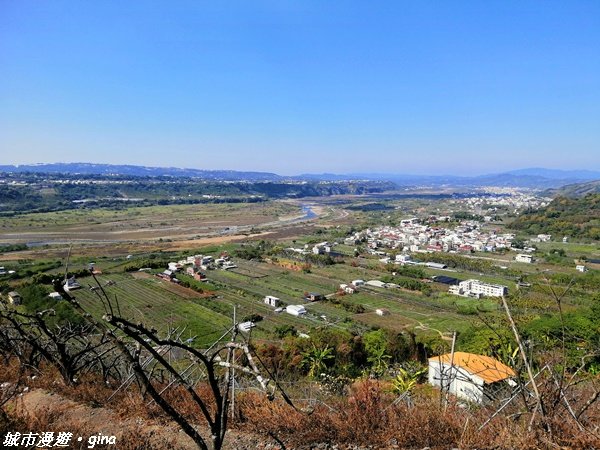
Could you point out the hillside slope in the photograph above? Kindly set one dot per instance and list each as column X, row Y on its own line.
column 575, row 190
column 576, row 217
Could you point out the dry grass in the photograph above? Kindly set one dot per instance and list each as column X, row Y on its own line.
column 366, row 417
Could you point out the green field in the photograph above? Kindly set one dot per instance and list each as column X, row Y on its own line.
column 160, row 304
column 147, row 301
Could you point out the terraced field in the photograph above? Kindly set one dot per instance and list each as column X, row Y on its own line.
column 147, row 301
column 146, row 298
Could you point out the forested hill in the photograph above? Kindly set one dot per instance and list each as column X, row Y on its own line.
column 575, row 190
column 576, row 217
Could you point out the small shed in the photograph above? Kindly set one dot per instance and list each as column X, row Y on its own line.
column 72, row 284
column 14, row 298
column 272, row 301
column 313, row 297
column 200, row 276
column 295, row 310
column 521, row 257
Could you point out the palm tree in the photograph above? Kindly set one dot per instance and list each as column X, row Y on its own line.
column 406, row 380
column 315, row 359
column 379, row 361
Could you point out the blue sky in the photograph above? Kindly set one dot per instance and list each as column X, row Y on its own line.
column 432, row 87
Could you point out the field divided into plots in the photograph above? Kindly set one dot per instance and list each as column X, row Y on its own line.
column 147, row 301
column 146, row 298
column 408, row 309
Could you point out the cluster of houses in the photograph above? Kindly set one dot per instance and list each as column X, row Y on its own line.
column 294, row 310
column 275, row 302
column 321, row 248
column 15, row 299
column 497, row 198
column 196, row 266
column 352, row 287
column 414, row 236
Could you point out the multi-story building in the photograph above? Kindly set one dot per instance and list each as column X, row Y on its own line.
column 476, row 288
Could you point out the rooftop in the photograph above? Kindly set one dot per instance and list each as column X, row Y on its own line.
column 485, row 367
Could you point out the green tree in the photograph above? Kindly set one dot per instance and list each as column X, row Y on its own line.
column 376, row 346
column 406, row 380
column 315, row 359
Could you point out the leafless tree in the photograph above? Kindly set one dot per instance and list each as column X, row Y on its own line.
column 146, row 354
column 72, row 349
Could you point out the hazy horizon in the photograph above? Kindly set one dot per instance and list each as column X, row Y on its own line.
column 382, row 174
column 466, row 88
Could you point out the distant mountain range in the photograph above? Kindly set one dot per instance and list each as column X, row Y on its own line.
column 536, row 178
column 140, row 171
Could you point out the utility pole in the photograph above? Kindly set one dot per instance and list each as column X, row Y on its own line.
column 447, row 388
column 233, row 334
column 539, row 404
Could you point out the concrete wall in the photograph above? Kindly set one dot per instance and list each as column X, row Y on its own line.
column 462, row 384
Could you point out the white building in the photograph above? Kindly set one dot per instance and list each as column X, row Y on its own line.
column 476, row 288
column 72, row 284
column 272, row 301
column 468, row 376
column 295, row 310
column 434, row 265
column 402, row 258
column 174, row 266
column 348, row 289
column 321, row 248
column 521, row 257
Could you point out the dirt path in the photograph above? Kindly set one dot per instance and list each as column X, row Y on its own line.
column 46, row 411
column 53, row 412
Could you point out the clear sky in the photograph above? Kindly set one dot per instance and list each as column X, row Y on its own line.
column 301, row 86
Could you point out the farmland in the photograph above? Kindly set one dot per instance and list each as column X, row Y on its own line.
column 156, row 302
column 118, row 238
column 147, row 300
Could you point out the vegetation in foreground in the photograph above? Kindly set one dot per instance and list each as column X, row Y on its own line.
column 351, row 378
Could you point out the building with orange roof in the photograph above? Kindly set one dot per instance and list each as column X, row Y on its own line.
column 468, row 376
